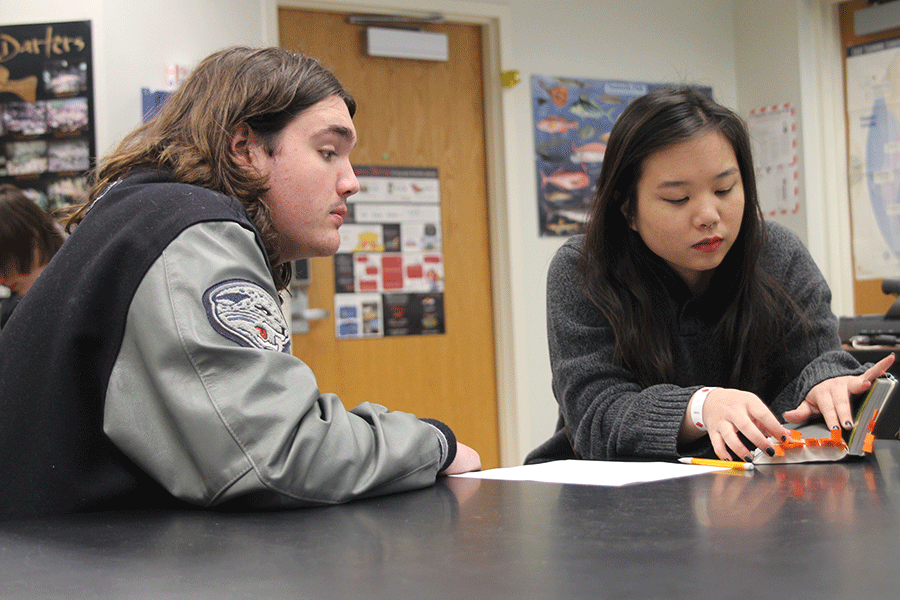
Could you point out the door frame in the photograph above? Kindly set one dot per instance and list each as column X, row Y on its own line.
column 494, row 21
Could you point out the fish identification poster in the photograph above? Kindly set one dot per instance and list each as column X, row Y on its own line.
column 572, row 121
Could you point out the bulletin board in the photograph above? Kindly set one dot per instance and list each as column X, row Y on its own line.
column 46, row 110
column 389, row 269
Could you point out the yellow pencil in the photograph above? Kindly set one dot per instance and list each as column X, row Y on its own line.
column 709, row 462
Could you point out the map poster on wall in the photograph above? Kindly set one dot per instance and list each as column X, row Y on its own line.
column 46, row 110
column 389, row 269
column 873, row 119
column 572, row 121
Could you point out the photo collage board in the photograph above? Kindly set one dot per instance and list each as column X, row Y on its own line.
column 47, row 141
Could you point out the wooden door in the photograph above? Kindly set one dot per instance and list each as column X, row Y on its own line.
column 415, row 113
column 867, row 295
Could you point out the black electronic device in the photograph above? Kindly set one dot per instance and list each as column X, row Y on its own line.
column 869, row 338
column 874, row 330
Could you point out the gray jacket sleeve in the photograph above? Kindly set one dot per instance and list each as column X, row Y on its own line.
column 206, row 397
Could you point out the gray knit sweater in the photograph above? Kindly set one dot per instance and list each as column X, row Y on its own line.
column 605, row 414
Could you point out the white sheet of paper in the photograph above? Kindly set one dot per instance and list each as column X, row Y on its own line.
column 593, row 472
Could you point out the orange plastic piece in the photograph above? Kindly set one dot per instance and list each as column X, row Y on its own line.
column 836, row 439
column 797, row 441
column 871, row 426
column 868, row 443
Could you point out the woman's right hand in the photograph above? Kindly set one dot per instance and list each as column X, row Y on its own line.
column 729, row 411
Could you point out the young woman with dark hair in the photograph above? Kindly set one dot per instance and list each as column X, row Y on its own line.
column 681, row 323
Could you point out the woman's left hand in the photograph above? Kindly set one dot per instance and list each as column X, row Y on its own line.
column 831, row 398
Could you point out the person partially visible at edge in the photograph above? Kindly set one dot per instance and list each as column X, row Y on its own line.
column 29, row 237
column 150, row 364
column 681, row 323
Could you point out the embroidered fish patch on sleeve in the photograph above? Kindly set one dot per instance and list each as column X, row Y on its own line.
column 245, row 313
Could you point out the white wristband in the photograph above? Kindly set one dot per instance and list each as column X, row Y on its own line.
column 696, row 407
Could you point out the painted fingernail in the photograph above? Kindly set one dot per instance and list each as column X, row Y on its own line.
column 748, row 458
column 836, row 427
column 848, row 424
column 770, row 451
column 784, row 438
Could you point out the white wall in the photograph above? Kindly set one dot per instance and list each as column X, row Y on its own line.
column 789, row 51
column 768, row 68
column 697, row 41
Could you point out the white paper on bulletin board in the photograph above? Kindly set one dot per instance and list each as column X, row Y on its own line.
column 873, row 118
column 773, row 135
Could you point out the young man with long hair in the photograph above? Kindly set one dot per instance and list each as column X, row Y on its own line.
column 150, row 365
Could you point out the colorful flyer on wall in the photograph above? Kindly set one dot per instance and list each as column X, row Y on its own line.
column 47, row 110
column 773, row 133
column 389, row 269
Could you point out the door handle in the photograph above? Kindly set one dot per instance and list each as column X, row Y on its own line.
column 314, row 314
column 301, row 314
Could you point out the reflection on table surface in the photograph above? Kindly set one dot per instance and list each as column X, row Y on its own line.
column 803, row 531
